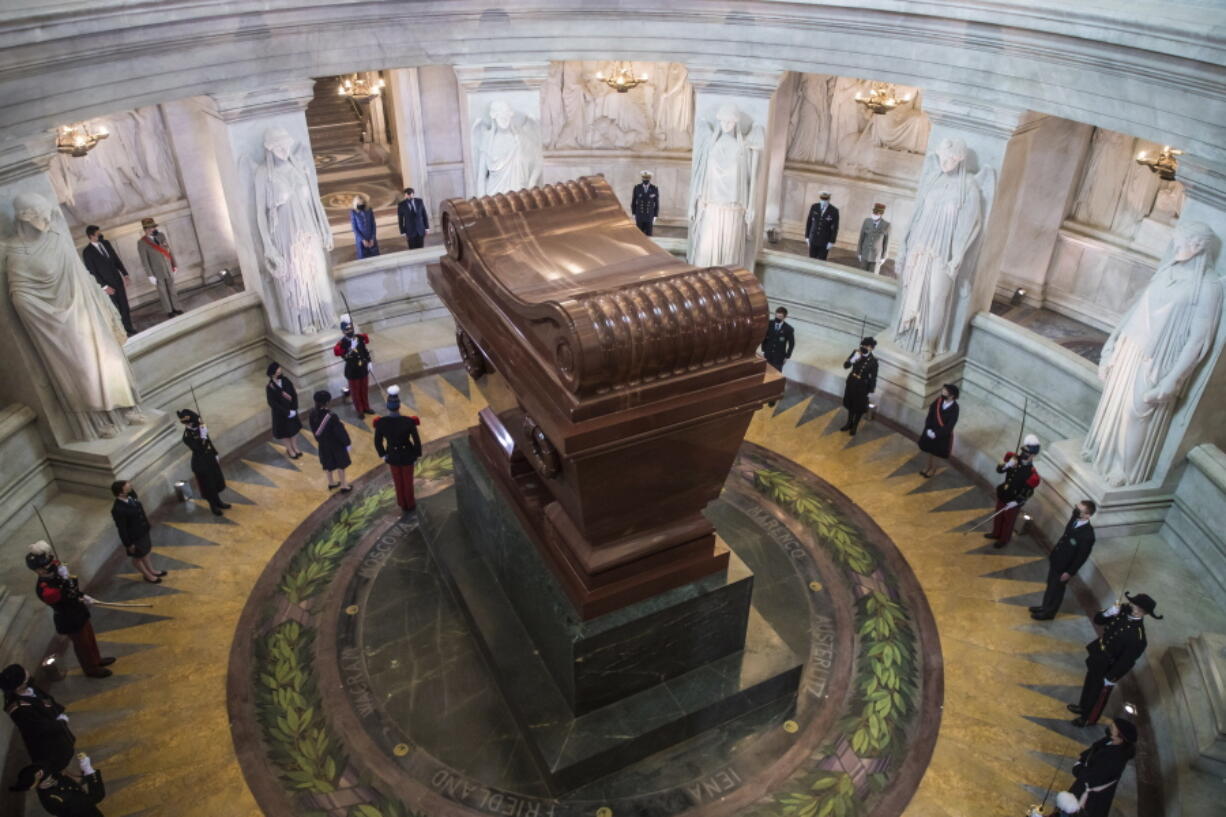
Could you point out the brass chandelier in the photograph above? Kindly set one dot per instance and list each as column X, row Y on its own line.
column 622, row 80
column 1164, row 164
column 78, row 139
column 881, row 98
column 359, row 88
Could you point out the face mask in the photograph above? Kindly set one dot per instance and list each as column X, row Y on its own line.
column 1108, row 733
column 864, row 350
column 362, row 206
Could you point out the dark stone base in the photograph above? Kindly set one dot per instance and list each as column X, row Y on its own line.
column 600, row 660
column 573, row 749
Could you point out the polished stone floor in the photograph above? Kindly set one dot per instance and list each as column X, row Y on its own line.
column 161, row 728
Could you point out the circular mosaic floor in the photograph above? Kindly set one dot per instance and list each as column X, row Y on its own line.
column 357, row 689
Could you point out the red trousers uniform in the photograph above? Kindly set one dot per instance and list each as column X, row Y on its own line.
column 402, row 478
column 359, row 393
column 1002, row 525
column 85, row 645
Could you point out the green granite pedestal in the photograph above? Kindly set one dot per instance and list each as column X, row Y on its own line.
column 594, row 696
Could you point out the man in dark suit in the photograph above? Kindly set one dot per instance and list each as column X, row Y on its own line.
column 822, row 227
column 414, row 219
column 779, row 341
column 645, row 204
column 1067, row 557
column 108, row 270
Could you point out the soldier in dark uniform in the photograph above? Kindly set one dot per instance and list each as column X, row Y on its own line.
column 283, row 402
column 937, row 438
column 861, row 382
column 1110, row 656
column 645, row 203
column 59, row 794
column 353, row 348
column 1021, row 479
column 39, row 718
column 134, row 529
column 332, row 440
column 1100, row 768
column 61, row 592
column 780, row 340
column 822, row 227
column 206, row 462
column 397, row 444
column 1069, row 554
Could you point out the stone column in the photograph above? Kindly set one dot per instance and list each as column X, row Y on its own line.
column 777, row 150
column 187, row 121
column 139, row 451
column 237, row 126
column 408, row 128
column 519, row 86
column 993, row 170
column 1199, row 415
column 752, row 95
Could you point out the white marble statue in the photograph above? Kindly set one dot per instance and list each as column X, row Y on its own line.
column 507, row 151
column 723, row 188
column 295, row 234
column 566, row 106
column 848, row 119
column 128, row 172
column 1102, row 183
column 621, row 120
column 949, row 209
column 72, row 326
column 580, row 111
column 674, row 111
column 809, row 122
column 1151, row 355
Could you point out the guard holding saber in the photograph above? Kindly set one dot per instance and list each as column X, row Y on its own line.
column 61, row 591
column 1110, row 656
column 353, row 348
column 1020, row 481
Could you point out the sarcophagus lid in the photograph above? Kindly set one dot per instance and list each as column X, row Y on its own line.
column 626, row 376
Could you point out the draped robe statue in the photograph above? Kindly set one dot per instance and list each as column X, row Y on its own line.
column 949, row 211
column 508, row 152
column 809, row 124
column 73, row 328
column 295, row 234
column 723, row 189
column 1151, row 355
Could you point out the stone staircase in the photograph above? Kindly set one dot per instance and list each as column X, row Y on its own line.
column 331, row 119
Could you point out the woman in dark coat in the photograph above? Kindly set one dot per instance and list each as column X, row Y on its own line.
column 283, row 401
column 937, row 438
column 206, row 463
column 332, row 440
column 133, row 526
column 365, row 232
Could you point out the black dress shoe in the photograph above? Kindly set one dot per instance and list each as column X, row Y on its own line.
column 332, row 487
column 1042, row 617
column 771, row 403
column 1074, row 708
column 225, row 506
column 370, row 411
column 151, row 581
column 1036, row 609
column 990, row 536
column 100, row 673
column 216, row 511
column 1080, row 723
column 998, row 544
column 852, row 432
column 160, row 573
column 846, row 427
column 106, row 662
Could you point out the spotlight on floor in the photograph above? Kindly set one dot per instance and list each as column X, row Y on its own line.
column 1130, row 708
column 52, row 669
column 183, row 490
column 1018, row 294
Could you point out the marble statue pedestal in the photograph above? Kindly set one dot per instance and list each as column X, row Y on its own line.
column 1197, row 674
column 1123, row 511
column 308, row 361
column 591, row 697
column 911, row 384
column 138, row 454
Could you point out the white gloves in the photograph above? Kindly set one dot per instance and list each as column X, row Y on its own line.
column 1113, row 610
column 204, row 432
column 293, row 414
column 931, row 434
column 153, row 280
column 87, row 768
column 62, row 717
column 62, row 571
column 1012, row 504
column 88, row 599
column 830, row 246
column 856, row 356
column 1107, row 683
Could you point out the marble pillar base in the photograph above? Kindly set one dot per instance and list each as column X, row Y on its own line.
column 1197, row 675
column 634, row 682
column 1125, row 511
column 308, row 361
column 138, row 454
column 911, row 384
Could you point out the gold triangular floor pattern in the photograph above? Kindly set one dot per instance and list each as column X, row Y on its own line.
column 159, row 728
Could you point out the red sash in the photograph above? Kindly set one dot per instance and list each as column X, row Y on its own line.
column 169, row 255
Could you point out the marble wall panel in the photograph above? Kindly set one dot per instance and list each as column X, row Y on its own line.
column 1093, row 281
column 1191, row 526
